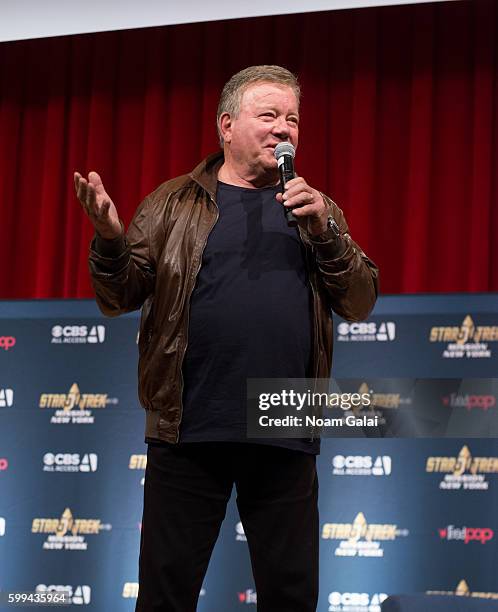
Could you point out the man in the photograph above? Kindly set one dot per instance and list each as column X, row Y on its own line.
column 228, row 292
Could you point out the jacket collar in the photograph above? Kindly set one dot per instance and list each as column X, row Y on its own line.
column 206, row 173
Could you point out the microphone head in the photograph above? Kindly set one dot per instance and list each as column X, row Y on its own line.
column 284, row 148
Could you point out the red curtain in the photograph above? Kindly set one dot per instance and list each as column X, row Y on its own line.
column 399, row 125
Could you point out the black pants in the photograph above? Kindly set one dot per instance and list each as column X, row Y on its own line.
column 187, row 487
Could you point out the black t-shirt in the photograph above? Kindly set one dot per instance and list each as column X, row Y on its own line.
column 250, row 316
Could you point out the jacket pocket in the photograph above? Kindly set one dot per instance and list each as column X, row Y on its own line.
column 146, row 325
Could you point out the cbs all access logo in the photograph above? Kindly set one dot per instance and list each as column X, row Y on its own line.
column 78, row 334
column 361, row 465
column 355, row 602
column 6, row 397
column 366, row 331
column 79, row 595
column 70, row 462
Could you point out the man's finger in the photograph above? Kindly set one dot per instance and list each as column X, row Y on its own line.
column 82, row 192
column 295, row 189
column 304, row 211
column 91, row 202
column 76, row 178
column 297, row 180
column 300, row 199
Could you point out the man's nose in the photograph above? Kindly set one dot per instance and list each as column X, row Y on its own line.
column 281, row 127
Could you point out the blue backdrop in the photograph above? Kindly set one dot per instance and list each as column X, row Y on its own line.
column 396, row 515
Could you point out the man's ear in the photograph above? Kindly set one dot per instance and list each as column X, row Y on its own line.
column 225, row 123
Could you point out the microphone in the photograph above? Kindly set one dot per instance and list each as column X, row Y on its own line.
column 284, row 154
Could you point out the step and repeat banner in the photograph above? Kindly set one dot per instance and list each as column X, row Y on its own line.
column 397, row 515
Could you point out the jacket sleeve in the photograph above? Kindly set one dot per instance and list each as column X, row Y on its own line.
column 123, row 272
column 349, row 277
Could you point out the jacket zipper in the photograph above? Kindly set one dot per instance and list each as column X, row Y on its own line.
column 315, row 324
column 180, row 361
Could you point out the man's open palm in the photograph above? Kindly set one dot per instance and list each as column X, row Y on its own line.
column 98, row 205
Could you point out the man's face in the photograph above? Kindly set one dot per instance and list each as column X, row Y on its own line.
column 268, row 115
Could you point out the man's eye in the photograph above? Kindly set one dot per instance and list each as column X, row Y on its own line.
column 268, row 115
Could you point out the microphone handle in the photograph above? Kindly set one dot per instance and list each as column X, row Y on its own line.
column 286, row 170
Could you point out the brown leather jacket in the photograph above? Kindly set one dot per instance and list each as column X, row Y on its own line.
column 156, row 265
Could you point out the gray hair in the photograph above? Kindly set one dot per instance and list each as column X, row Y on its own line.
column 234, row 88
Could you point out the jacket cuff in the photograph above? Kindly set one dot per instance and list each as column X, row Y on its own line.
column 109, row 248
column 108, row 258
column 328, row 246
